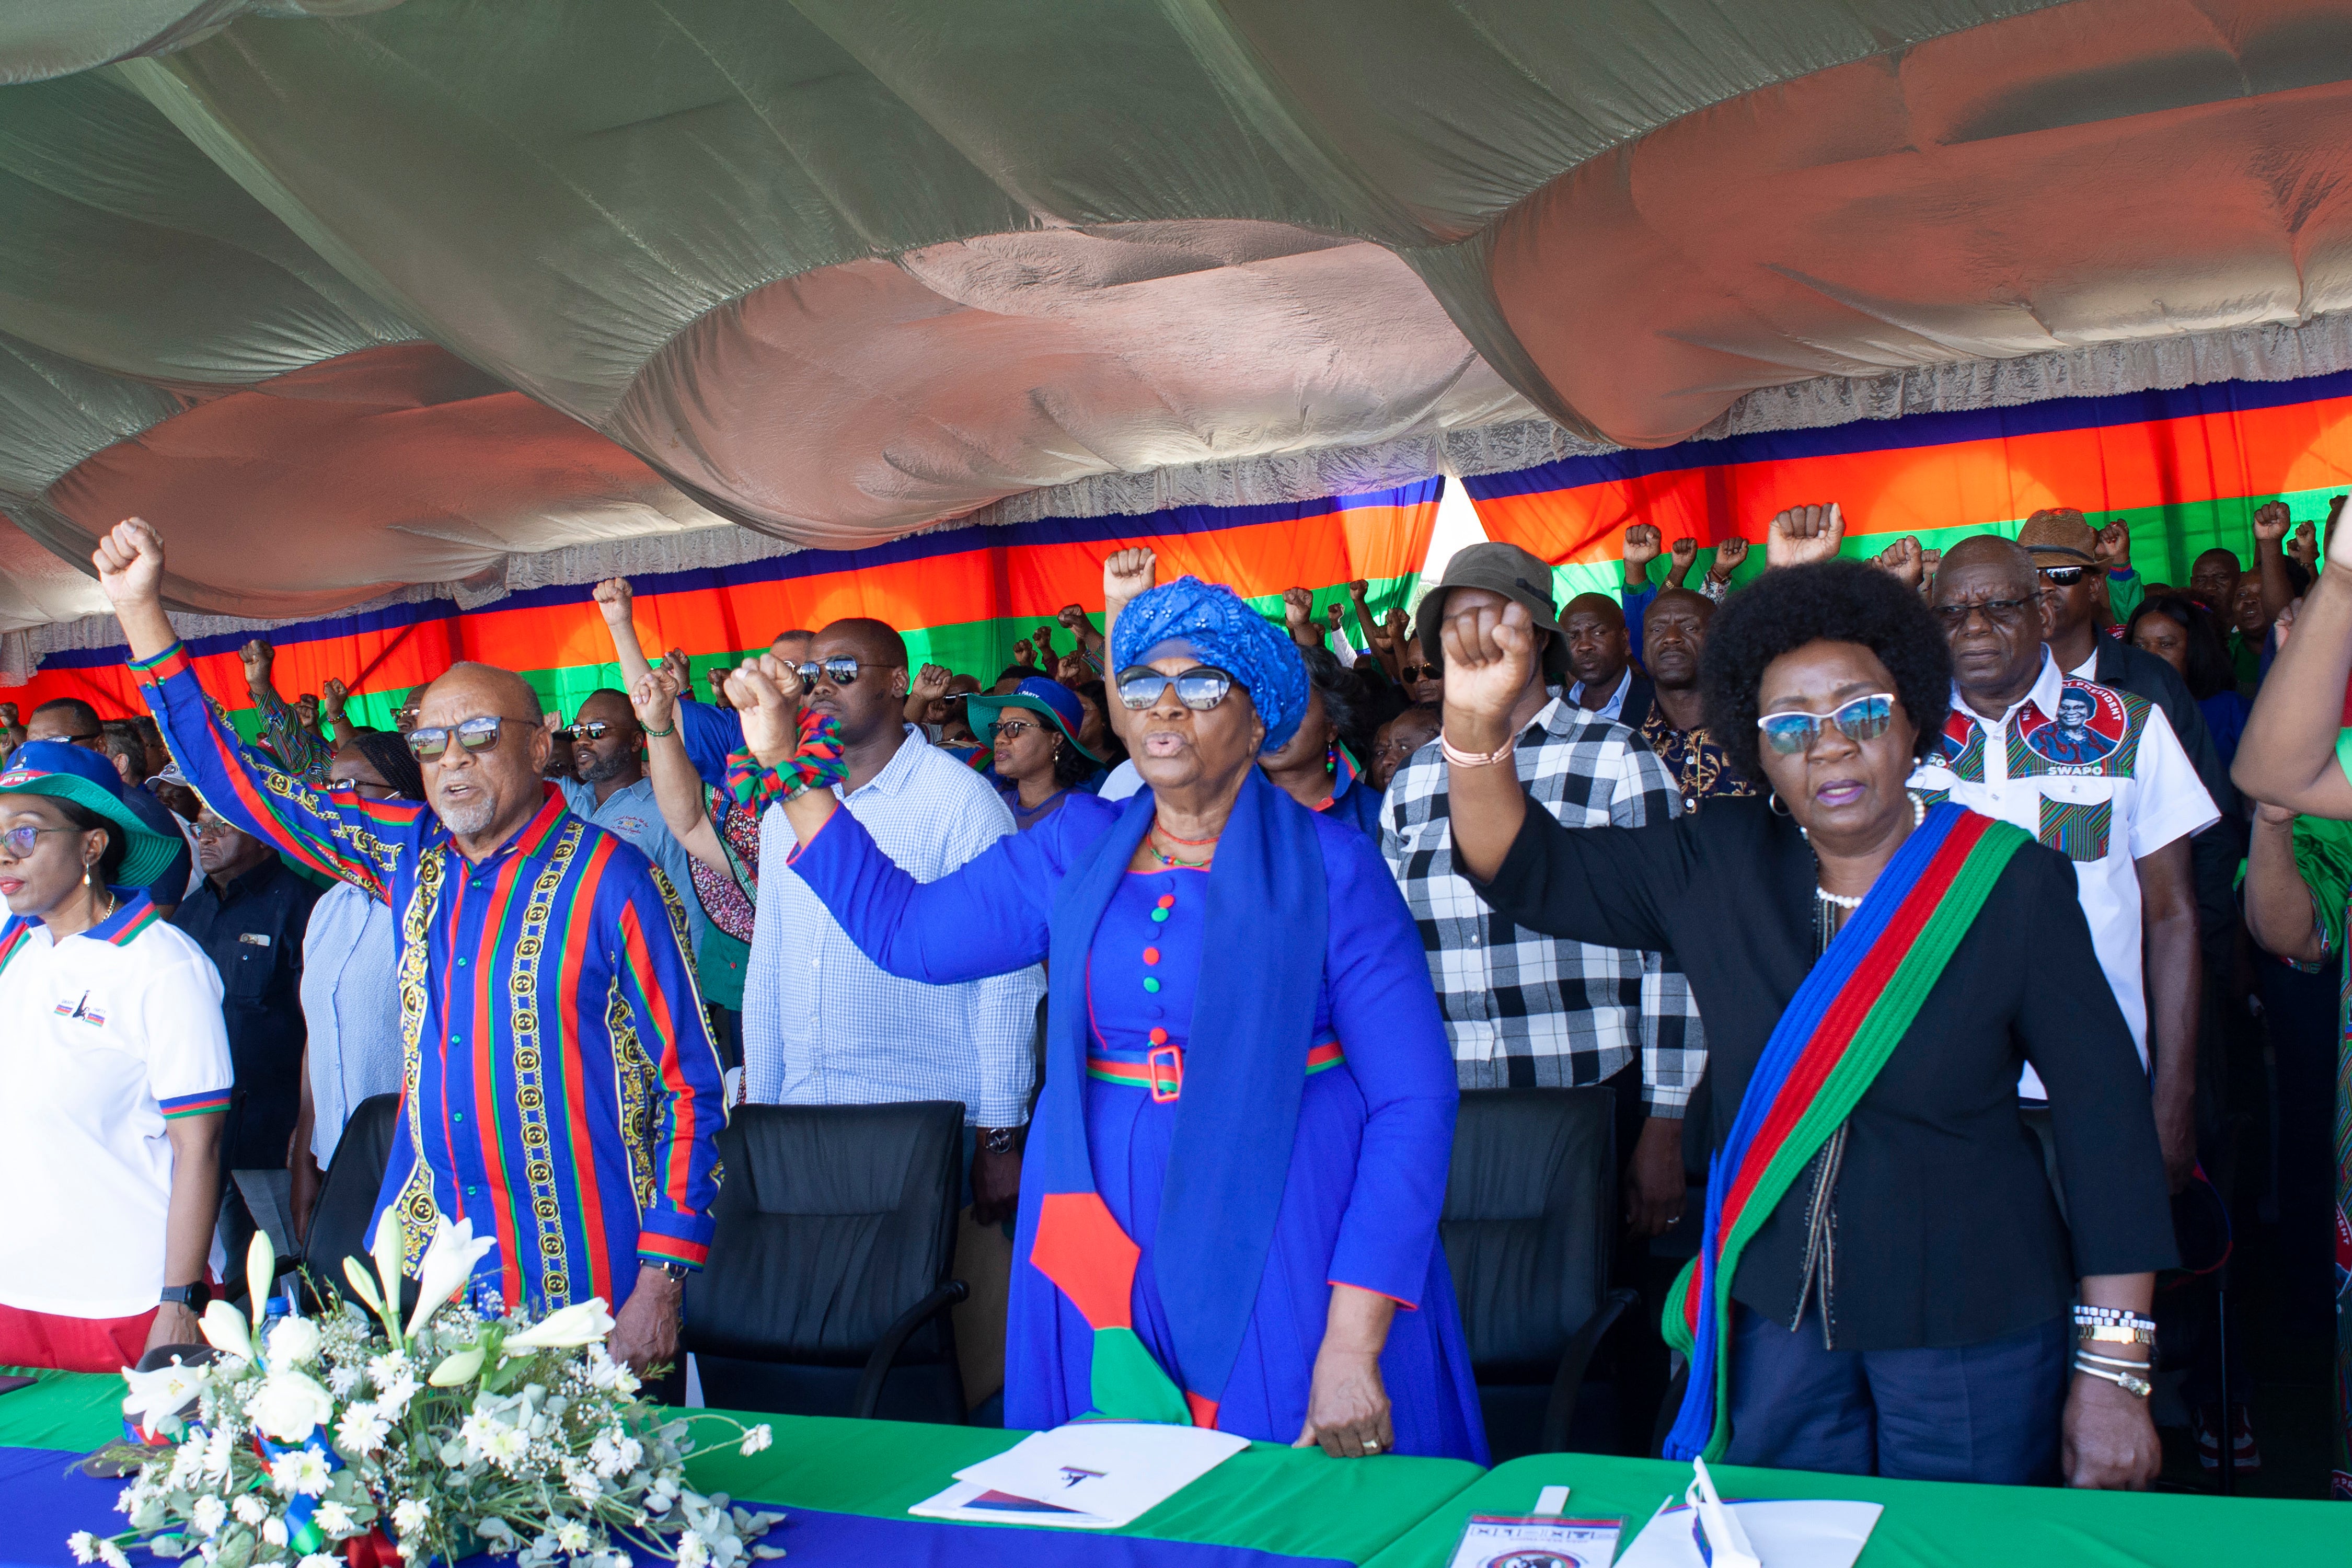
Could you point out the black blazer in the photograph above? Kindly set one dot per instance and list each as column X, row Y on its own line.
column 1947, row 1231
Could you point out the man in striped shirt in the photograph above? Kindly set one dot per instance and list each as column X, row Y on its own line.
column 560, row 1087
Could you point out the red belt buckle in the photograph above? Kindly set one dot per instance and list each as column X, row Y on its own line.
column 1175, row 1056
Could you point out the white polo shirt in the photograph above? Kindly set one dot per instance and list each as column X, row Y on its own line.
column 104, row 1037
column 2096, row 774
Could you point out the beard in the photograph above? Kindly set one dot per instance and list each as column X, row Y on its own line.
column 593, row 767
column 467, row 818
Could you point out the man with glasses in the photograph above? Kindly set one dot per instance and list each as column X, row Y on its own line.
column 249, row 914
column 562, row 1092
column 2019, row 746
column 607, row 785
column 71, row 720
column 822, row 1024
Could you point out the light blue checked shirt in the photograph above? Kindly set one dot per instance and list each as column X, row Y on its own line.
column 350, row 1001
column 635, row 816
column 823, row 1025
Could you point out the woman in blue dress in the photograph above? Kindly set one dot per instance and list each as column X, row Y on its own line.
column 1230, row 1197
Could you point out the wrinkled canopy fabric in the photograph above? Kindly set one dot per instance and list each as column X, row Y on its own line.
column 348, row 295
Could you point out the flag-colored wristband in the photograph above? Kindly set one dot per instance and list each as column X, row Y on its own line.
column 817, row 764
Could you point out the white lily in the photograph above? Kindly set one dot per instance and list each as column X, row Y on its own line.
column 449, row 1263
column 226, row 1331
column 157, row 1398
column 567, row 1328
column 289, row 1406
column 460, row 1367
column 390, row 1249
column 260, row 1274
column 292, row 1342
column 363, row 1286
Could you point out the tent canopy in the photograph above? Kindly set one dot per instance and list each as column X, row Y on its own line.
column 348, row 295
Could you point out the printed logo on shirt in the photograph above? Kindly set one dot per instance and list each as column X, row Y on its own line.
column 253, row 938
column 628, row 827
column 81, row 1012
column 2095, row 732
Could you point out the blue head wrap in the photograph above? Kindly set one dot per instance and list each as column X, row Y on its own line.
column 1226, row 632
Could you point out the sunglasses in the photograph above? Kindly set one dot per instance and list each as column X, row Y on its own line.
column 840, row 671
column 1999, row 611
column 1863, row 719
column 212, row 828
column 595, row 729
column 364, row 790
column 1009, row 729
column 20, row 842
column 478, row 734
column 1201, row 687
column 1412, row 672
column 2064, row 577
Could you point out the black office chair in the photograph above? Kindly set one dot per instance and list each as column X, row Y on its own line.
column 340, row 1220
column 1528, row 1229
column 828, row 1289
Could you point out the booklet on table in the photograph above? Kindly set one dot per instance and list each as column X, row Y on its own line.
column 1817, row 1533
column 1089, row 1475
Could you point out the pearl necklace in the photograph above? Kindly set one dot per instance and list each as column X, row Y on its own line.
column 1838, row 900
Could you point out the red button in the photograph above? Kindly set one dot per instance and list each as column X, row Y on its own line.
column 1150, row 955
column 1159, row 1037
column 1166, row 900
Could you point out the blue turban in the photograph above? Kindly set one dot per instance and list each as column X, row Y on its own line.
column 1226, row 632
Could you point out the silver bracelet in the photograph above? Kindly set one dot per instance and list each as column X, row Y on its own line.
column 2086, row 1316
column 2114, row 1361
column 2139, row 1387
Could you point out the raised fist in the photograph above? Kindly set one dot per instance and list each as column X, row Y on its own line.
column 333, row 695
column 931, row 681
column 612, row 597
column 2271, row 521
column 130, row 562
column 1127, row 573
column 1297, row 608
column 1641, row 546
column 1902, row 559
column 1803, row 534
column 1684, row 552
column 2112, row 545
column 1727, row 557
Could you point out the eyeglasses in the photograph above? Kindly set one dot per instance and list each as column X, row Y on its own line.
column 1009, row 729
column 840, row 671
column 1201, row 687
column 364, row 790
column 2064, row 577
column 20, row 841
column 595, row 729
column 478, row 734
column 1998, row 611
column 1863, row 719
column 212, row 828
column 1412, row 672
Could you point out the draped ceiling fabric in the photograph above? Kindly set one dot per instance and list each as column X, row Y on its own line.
column 356, row 298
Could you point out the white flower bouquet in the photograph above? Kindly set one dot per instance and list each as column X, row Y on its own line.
column 355, row 1436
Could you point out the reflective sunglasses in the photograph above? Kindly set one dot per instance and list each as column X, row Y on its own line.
column 593, row 729
column 20, row 842
column 209, row 826
column 2062, row 576
column 840, row 671
column 1009, row 729
column 1999, row 611
column 1412, row 672
column 477, row 734
column 1201, row 687
column 1863, row 719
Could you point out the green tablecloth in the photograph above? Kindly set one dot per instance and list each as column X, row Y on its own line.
column 1926, row 1525
column 1271, row 1498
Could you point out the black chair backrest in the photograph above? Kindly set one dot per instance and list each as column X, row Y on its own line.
column 346, row 1207
column 831, row 1221
column 1529, row 1227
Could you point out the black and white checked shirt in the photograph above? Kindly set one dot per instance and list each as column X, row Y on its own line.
column 1524, row 1009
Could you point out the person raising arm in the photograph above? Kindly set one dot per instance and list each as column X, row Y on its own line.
column 2291, row 754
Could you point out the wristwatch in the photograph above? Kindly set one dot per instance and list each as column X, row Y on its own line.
column 677, row 1271
column 998, row 1140
column 193, row 1297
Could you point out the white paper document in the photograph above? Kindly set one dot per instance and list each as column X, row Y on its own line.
column 1536, row 1541
column 1786, row 1532
column 1089, row 1475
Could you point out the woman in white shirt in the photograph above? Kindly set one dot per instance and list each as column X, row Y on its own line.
column 117, row 1072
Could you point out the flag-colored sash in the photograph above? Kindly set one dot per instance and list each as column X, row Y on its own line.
column 1839, row 1030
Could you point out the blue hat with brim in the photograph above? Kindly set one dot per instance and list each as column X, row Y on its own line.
column 1038, row 695
column 67, row 771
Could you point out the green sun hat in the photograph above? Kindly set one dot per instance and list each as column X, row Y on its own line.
column 67, row 771
column 1036, row 694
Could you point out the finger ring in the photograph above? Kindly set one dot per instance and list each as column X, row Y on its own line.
column 1372, row 1446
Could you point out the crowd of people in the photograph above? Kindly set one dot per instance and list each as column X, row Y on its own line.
column 1894, row 902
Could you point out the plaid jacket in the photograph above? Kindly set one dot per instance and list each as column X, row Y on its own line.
column 1526, row 1009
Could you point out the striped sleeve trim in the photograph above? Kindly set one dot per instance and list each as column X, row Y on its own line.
column 162, row 666
column 203, row 1104
column 655, row 1248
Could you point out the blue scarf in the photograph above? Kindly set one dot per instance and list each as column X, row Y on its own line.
column 1229, row 1155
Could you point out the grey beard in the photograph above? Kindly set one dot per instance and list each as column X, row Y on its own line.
column 593, row 772
column 468, row 820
